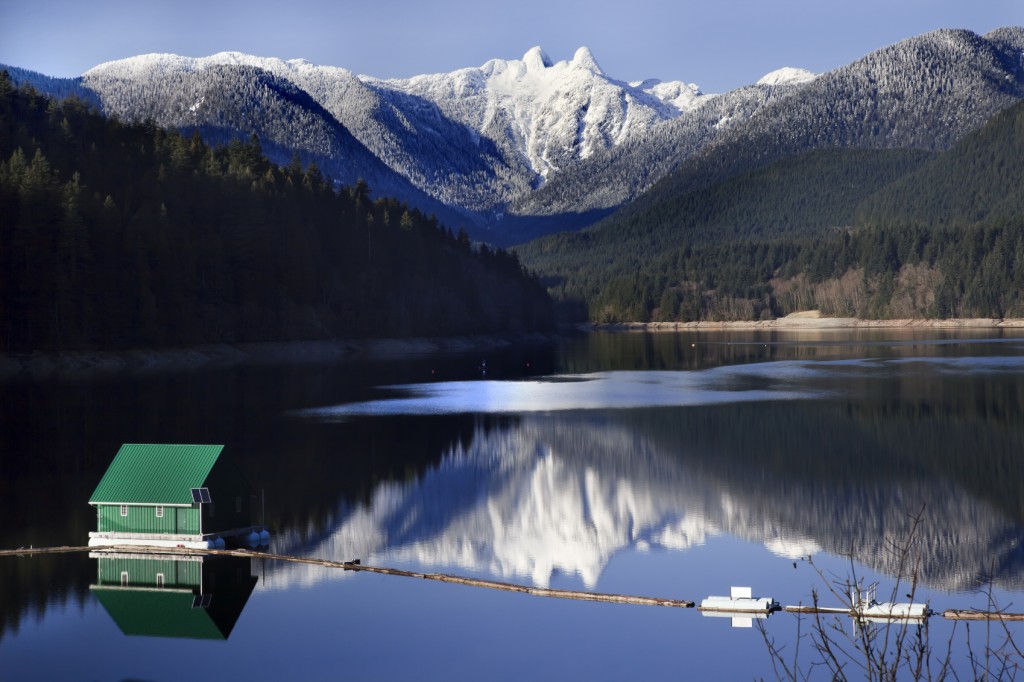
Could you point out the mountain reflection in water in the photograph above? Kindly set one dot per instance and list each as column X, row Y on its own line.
column 658, row 459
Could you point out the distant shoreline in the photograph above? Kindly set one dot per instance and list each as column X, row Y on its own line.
column 809, row 320
column 77, row 363
column 72, row 363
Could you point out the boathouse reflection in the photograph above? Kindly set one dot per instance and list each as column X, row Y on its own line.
column 193, row 597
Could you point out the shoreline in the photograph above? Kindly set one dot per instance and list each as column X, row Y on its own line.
column 801, row 321
column 83, row 363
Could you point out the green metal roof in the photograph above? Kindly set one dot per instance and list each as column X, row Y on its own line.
column 156, row 474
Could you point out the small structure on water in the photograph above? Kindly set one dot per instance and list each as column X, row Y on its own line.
column 740, row 606
column 174, row 496
column 867, row 607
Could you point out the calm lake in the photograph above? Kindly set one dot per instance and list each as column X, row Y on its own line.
column 665, row 465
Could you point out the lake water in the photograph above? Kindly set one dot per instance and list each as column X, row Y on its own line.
column 665, row 465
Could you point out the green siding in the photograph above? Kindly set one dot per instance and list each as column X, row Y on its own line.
column 143, row 519
column 188, row 520
column 156, row 474
column 143, row 572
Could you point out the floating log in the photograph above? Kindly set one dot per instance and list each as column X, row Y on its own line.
column 971, row 614
column 952, row 614
column 801, row 608
column 31, row 551
column 356, row 565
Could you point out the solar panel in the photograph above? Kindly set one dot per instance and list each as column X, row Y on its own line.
column 196, row 497
column 201, row 495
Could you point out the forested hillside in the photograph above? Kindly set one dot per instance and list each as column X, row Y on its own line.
column 591, row 188
column 867, row 233
column 114, row 235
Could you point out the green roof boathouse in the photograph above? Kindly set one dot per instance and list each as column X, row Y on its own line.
column 174, row 496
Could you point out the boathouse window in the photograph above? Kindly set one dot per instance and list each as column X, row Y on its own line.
column 238, row 505
column 124, row 578
column 159, row 579
column 159, row 511
column 124, row 510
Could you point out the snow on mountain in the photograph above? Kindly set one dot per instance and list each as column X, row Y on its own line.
column 474, row 138
column 231, row 94
column 787, row 75
column 551, row 112
column 324, row 114
column 612, row 177
column 925, row 92
column 526, row 146
column 684, row 97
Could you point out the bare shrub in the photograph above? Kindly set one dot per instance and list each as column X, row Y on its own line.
column 894, row 649
column 914, row 296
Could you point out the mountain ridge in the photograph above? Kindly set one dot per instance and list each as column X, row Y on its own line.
column 517, row 148
column 470, row 158
column 867, row 105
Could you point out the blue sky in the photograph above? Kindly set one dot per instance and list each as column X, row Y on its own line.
column 718, row 44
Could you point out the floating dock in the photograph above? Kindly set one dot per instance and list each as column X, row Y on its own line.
column 740, row 601
column 251, row 536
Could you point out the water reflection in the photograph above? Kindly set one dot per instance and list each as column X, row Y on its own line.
column 561, row 492
column 602, row 390
column 190, row 597
column 800, row 443
column 778, row 380
column 700, row 350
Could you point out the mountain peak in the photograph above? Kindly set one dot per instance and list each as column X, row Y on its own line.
column 584, row 59
column 536, row 59
column 787, row 75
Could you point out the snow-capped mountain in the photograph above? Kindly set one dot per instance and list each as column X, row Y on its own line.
column 593, row 187
column 550, row 112
column 231, row 95
column 925, row 92
column 520, row 147
column 473, row 139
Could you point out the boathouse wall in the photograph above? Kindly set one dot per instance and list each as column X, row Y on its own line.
column 145, row 519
